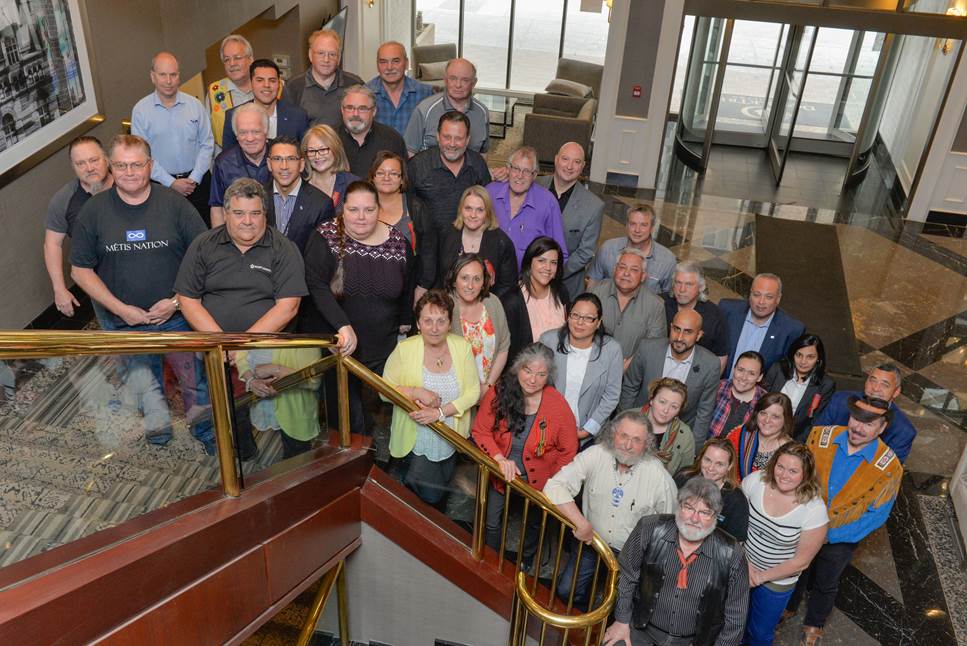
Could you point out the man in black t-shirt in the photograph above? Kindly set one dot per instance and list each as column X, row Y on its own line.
column 127, row 245
column 93, row 176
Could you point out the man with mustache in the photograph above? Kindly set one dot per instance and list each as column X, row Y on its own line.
column 93, row 176
column 683, row 581
column 622, row 482
column 361, row 135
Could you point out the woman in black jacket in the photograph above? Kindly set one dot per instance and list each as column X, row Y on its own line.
column 801, row 375
column 404, row 211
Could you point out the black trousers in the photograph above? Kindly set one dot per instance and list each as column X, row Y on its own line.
column 821, row 580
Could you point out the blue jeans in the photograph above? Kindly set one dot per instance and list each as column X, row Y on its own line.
column 765, row 610
column 585, row 574
column 144, row 373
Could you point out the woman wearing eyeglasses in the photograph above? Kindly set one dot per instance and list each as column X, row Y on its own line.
column 589, row 365
column 326, row 163
column 404, row 211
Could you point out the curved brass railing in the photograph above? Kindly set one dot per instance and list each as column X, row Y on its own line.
column 545, row 613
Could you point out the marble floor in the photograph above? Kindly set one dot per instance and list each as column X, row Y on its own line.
column 907, row 293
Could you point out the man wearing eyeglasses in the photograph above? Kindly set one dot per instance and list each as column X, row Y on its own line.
column 320, row 89
column 285, row 119
column 362, row 137
column 176, row 127
column 235, row 89
column 127, row 246
column 526, row 210
column 296, row 207
column 247, row 159
column 683, row 581
column 459, row 82
column 93, row 176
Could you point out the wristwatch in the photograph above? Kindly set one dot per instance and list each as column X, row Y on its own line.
column 174, row 301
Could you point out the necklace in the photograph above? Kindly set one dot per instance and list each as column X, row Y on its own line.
column 441, row 359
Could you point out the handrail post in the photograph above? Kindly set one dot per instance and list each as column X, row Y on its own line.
column 342, row 601
column 221, row 420
column 480, row 513
column 342, row 398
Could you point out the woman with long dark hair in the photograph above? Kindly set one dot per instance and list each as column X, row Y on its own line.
column 589, row 365
column 539, row 304
column 801, row 376
column 717, row 462
column 358, row 271
column 527, row 427
column 769, row 427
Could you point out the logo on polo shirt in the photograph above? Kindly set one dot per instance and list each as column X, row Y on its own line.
column 137, row 235
column 260, row 268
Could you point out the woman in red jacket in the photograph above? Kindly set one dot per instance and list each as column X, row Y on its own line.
column 528, row 428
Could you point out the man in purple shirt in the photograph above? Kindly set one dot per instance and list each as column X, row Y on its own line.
column 526, row 210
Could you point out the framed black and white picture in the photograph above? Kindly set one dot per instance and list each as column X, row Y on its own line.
column 46, row 88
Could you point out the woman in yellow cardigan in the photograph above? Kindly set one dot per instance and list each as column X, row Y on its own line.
column 436, row 370
column 295, row 411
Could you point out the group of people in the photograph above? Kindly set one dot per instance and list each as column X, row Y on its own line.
column 696, row 438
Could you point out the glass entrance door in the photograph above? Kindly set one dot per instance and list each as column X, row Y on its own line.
column 789, row 97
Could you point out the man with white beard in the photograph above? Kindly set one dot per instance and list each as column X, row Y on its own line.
column 683, row 581
column 623, row 481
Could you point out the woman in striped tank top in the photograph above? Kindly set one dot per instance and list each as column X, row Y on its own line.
column 787, row 526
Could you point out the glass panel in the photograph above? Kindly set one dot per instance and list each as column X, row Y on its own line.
column 744, row 91
column 802, row 55
column 537, row 38
column 437, row 21
column 586, row 33
column 832, row 50
column 697, row 102
column 754, row 43
column 684, row 47
column 869, row 53
column 485, row 34
column 87, row 443
column 855, row 103
column 282, row 412
column 818, row 102
column 433, row 476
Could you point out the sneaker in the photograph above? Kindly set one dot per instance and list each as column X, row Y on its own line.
column 810, row 636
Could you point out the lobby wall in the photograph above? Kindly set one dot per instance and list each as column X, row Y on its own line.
column 122, row 37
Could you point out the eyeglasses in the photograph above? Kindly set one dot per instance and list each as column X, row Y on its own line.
column 123, row 166
column 691, row 511
column 519, row 171
column 278, row 159
column 359, row 108
column 390, row 174
column 581, row 318
column 318, row 152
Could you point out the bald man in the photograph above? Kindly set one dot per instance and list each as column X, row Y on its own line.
column 678, row 357
column 459, row 81
column 397, row 95
column 177, row 128
column 580, row 209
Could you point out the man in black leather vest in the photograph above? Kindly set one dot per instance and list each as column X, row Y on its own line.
column 683, row 582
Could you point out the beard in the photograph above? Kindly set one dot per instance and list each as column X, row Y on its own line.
column 691, row 532
column 627, row 458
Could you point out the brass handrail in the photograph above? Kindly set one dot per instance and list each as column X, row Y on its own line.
column 489, row 466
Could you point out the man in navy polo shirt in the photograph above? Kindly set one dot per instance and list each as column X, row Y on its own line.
column 247, row 159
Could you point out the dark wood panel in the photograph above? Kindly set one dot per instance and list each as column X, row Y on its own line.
column 384, row 510
column 103, row 590
column 209, row 612
column 300, row 550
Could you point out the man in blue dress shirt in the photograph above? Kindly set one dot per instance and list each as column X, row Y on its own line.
column 397, row 95
column 758, row 324
column 176, row 127
column 882, row 382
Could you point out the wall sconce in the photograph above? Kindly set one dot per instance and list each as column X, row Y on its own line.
column 946, row 45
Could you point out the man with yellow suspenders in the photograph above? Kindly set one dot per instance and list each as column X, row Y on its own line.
column 235, row 89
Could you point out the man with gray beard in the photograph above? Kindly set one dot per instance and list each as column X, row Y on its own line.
column 683, row 581
column 623, row 482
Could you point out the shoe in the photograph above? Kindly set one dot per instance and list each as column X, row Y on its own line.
column 786, row 614
column 810, row 636
column 209, row 445
column 158, row 437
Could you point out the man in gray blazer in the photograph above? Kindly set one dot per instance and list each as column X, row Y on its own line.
column 580, row 209
column 680, row 358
